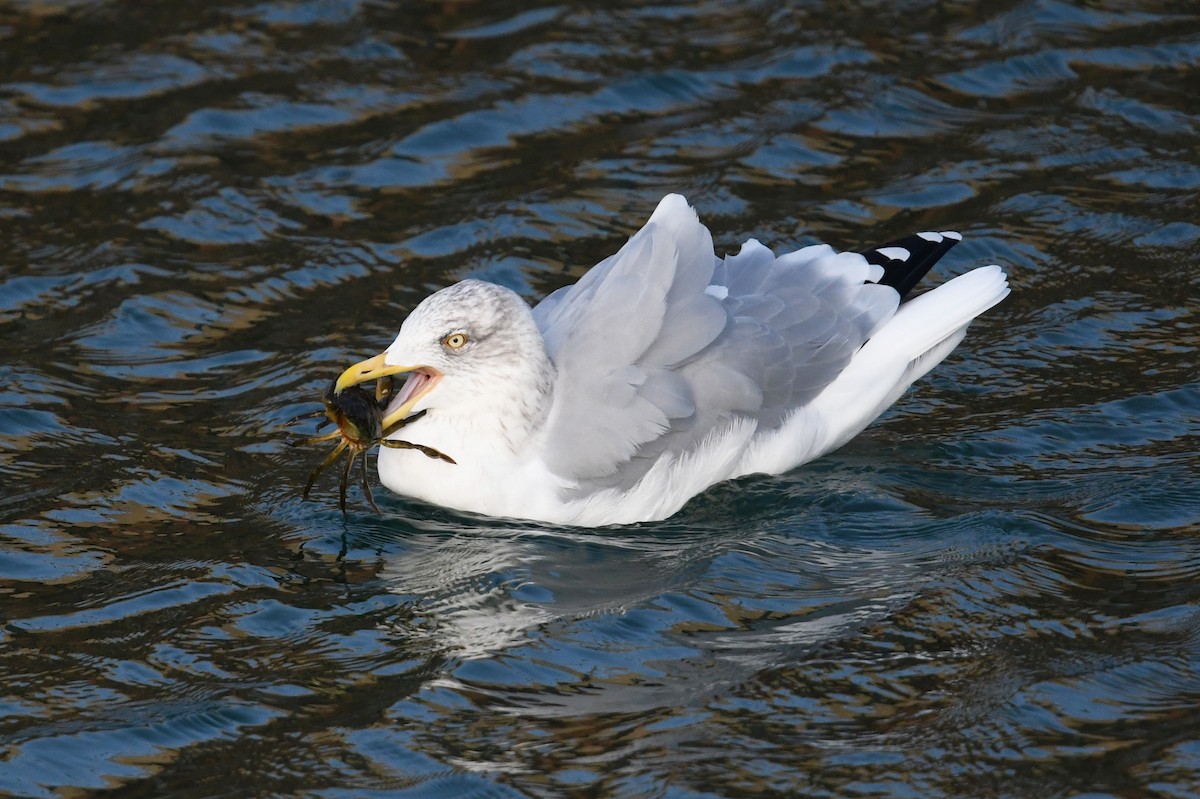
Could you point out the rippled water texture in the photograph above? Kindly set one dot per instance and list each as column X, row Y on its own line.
column 209, row 209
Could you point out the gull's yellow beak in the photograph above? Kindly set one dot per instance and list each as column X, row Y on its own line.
column 420, row 382
column 369, row 369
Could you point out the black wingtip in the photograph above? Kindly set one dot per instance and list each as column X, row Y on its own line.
column 905, row 261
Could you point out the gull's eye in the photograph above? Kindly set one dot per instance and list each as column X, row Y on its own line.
column 455, row 341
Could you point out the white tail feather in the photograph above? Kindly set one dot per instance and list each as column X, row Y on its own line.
column 921, row 334
column 925, row 321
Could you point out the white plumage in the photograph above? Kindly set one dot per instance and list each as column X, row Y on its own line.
column 662, row 371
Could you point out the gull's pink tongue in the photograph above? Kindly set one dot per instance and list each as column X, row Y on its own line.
column 411, row 386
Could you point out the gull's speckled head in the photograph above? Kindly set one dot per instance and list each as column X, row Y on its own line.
column 468, row 349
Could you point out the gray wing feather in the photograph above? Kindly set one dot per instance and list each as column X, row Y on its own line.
column 661, row 344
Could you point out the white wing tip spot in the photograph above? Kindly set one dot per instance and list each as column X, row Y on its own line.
column 929, row 235
column 894, row 253
column 952, row 234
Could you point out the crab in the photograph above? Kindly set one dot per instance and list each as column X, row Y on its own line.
column 358, row 414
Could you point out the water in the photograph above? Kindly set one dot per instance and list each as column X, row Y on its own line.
column 210, row 209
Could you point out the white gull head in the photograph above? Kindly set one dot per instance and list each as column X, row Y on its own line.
column 474, row 356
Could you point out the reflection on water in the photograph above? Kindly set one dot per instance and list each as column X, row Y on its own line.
column 209, row 211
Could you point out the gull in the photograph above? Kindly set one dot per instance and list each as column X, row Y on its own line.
column 663, row 371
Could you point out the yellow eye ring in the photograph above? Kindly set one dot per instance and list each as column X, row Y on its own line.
column 455, row 341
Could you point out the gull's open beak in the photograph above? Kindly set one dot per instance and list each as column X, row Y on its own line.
column 420, row 382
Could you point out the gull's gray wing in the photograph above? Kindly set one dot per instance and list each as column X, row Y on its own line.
column 662, row 344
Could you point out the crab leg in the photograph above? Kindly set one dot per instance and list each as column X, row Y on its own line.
column 312, row 478
column 304, row 416
column 316, row 439
column 367, row 487
column 383, row 387
column 405, row 422
column 347, row 465
column 428, row 452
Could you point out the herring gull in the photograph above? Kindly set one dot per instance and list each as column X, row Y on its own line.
column 663, row 371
